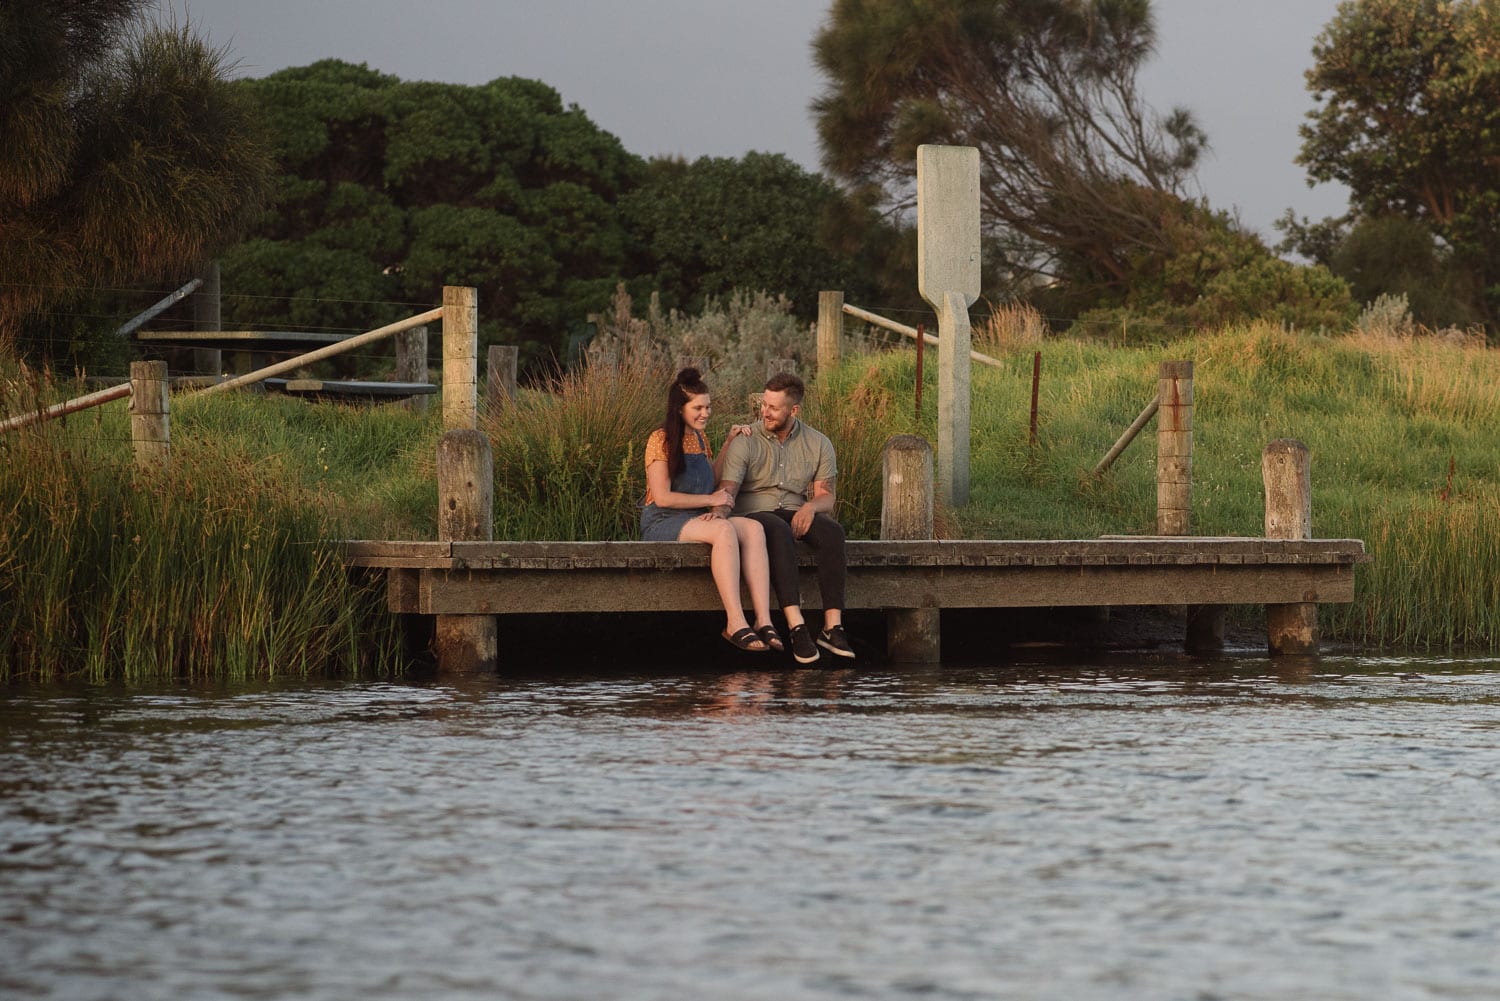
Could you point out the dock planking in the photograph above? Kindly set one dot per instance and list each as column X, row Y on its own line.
column 480, row 578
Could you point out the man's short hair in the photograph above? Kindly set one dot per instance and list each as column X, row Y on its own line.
column 788, row 383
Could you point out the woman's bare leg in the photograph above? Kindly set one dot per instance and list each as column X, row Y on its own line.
column 755, row 566
column 724, row 562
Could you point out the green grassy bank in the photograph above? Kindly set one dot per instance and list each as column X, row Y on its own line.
column 216, row 565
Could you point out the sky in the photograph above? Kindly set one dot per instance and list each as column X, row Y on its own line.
column 724, row 77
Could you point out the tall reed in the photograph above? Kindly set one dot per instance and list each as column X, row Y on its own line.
column 215, row 566
column 221, row 565
column 569, row 457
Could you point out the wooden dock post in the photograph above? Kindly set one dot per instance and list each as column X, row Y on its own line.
column 1174, row 488
column 465, row 644
column 1286, row 468
column 1174, row 448
column 500, row 376
column 913, row 635
column 830, row 330
column 411, row 364
column 460, row 357
column 150, row 423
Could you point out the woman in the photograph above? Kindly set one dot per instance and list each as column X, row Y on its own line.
column 684, row 504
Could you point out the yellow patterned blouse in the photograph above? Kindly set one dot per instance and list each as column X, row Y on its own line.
column 692, row 444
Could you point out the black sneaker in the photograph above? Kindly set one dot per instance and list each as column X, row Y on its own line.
column 835, row 642
column 802, row 645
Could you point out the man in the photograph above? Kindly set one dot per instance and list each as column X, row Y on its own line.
column 781, row 474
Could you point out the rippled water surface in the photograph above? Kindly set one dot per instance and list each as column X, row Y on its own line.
column 1163, row 829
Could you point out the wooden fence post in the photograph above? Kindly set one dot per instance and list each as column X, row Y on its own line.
column 1286, row 468
column 830, row 330
column 208, row 316
column 1174, row 449
column 150, row 423
column 500, row 376
column 913, row 635
column 465, row 644
column 460, row 357
column 411, row 363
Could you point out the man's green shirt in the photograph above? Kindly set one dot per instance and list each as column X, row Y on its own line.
column 773, row 474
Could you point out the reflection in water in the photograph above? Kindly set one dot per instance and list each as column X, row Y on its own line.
column 758, row 692
column 1163, row 828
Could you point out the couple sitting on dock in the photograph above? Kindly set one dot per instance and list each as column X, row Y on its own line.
column 770, row 485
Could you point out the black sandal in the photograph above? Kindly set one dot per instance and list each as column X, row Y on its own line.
column 770, row 637
column 743, row 638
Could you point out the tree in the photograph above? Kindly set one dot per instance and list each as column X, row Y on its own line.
column 1218, row 275
column 759, row 223
column 1079, row 180
column 389, row 190
column 1408, row 116
column 125, row 154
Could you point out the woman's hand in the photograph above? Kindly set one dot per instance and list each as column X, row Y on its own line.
column 737, row 429
column 719, row 498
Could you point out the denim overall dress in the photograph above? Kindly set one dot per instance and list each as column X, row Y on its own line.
column 662, row 524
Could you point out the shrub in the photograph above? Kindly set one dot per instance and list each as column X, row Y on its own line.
column 737, row 336
column 1387, row 316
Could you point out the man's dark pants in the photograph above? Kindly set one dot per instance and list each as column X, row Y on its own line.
column 826, row 537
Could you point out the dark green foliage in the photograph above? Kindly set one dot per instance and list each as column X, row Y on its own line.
column 1215, row 275
column 760, row 223
column 1408, row 116
column 391, row 190
column 125, row 155
column 1390, row 255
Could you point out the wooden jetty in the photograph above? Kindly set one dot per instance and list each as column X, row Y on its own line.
column 466, row 580
column 458, row 578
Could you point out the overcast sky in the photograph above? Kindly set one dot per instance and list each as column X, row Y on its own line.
column 722, row 77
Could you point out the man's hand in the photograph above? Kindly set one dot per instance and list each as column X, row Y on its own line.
column 730, row 492
column 802, row 520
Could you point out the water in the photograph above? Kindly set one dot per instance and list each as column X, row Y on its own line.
column 1127, row 829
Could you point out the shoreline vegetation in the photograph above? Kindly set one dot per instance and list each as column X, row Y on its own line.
column 221, row 565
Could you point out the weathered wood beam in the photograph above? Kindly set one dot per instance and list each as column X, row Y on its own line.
column 471, row 592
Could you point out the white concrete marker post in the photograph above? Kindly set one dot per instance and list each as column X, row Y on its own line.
column 948, row 278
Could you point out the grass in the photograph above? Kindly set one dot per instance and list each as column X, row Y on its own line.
column 568, row 458
column 216, row 566
column 1400, row 431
